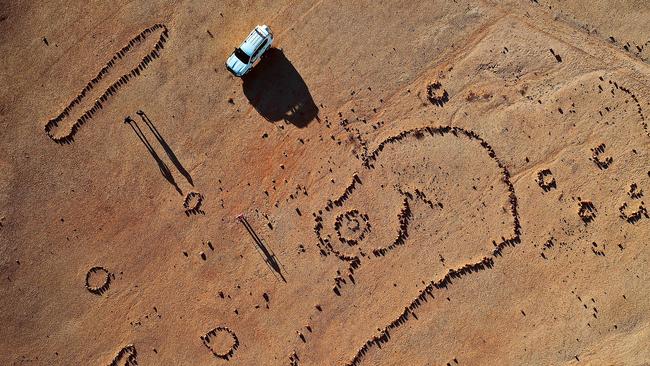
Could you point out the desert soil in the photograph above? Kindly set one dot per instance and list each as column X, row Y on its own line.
column 420, row 183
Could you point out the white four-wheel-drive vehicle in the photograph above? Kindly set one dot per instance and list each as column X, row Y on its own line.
column 245, row 56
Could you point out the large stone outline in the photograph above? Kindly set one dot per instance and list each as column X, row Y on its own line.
column 113, row 88
column 485, row 263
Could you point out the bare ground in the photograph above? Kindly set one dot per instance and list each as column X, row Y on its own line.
column 446, row 182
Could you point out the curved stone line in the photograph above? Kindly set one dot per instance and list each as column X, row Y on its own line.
column 436, row 94
column 453, row 274
column 113, row 88
column 196, row 208
column 639, row 110
column 131, row 357
column 543, row 182
column 98, row 290
column 635, row 216
column 362, row 231
column 235, row 342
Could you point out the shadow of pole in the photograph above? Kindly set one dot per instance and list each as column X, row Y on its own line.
column 269, row 257
column 277, row 91
column 164, row 169
column 168, row 150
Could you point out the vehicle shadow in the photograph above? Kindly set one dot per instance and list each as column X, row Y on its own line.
column 278, row 92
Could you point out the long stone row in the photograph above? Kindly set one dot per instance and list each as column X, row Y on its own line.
column 113, row 88
column 486, row 263
column 404, row 216
column 344, row 197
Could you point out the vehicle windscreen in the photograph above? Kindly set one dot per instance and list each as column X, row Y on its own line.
column 241, row 55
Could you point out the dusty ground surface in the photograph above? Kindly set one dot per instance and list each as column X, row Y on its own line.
column 430, row 183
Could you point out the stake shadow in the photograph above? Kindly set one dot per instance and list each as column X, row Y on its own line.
column 168, row 150
column 269, row 257
column 278, row 92
column 164, row 169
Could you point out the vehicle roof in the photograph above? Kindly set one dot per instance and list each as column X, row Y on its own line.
column 251, row 43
